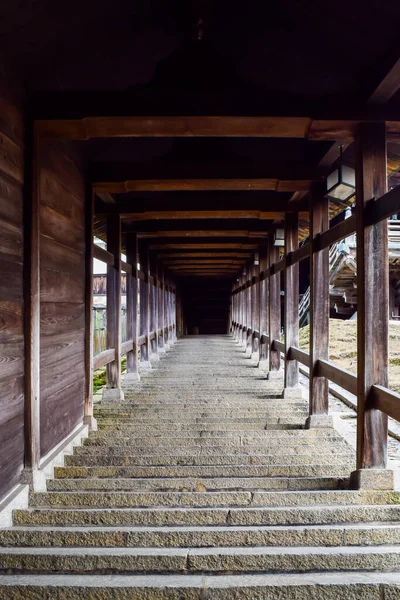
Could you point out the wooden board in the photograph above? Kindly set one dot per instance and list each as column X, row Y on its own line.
column 11, row 296
column 62, row 293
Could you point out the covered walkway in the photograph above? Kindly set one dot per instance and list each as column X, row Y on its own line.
column 204, row 482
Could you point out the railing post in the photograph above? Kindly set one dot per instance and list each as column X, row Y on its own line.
column 132, row 371
column 372, row 310
column 263, row 290
column 256, row 311
column 244, row 310
column 144, row 309
column 113, row 390
column 319, row 310
column 153, row 309
column 161, row 336
column 291, row 307
column 249, row 306
column 89, row 227
column 274, row 311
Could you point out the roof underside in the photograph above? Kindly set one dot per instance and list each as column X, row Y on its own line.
column 205, row 204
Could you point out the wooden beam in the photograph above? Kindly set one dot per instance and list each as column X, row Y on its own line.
column 202, row 126
column 319, row 304
column 164, row 256
column 200, row 233
column 105, row 197
column 291, row 310
column 169, row 215
column 205, row 246
column 103, row 255
column 388, row 87
column 373, row 301
column 189, row 185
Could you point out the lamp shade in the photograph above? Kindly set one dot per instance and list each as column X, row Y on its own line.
column 341, row 183
column 279, row 239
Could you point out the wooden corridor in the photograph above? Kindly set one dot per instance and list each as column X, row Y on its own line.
column 203, row 484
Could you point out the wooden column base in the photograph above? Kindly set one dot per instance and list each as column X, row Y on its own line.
column 144, row 365
column 372, row 479
column 113, row 394
column 319, row 421
column 131, row 377
column 294, row 392
column 91, row 421
column 275, row 375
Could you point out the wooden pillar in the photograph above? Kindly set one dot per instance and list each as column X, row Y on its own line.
column 152, row 292
column 256, row 308
column 291, row 311
column 144, row 308
column 274, row 285
column 319, row 309
column 264, row 313
column 372, row 309
column 89, row 227
column 113, row 390
column 249, row 307
column 166, row 321
column 132, row 279
column 32, row 308
column 244, row 308
column 161, row 309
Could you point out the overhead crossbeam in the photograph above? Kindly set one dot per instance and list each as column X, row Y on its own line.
column 201, row 185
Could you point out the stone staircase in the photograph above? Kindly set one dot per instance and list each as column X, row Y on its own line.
column 202, row 485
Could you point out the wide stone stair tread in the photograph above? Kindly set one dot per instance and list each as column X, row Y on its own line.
column 203, row 483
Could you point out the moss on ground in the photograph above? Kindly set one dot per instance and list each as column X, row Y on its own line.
column 99, row 376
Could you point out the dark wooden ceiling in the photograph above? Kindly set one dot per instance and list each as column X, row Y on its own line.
column 210, row 200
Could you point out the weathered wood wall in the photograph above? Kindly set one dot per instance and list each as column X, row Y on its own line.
column 11, row 295
column 62, row 282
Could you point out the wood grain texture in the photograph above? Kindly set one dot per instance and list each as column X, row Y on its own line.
column 291, row 306
column 114, row 300
column 132, row 285
column 319, row 302
column 274, row 307
column 373, row 297
column 62, row 292
column 12, row 356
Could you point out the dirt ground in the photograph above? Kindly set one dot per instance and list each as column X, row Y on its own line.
column 343, row 347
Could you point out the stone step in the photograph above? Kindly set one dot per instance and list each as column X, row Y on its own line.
column 204, row 471
column 207, row 448
column 273, row 426
column 327, row 586
column 210, row 459
column 208, row 529
column 263, row 436
column 194, row 484
column 246, row 517
column 205, row 560
column 211, row 499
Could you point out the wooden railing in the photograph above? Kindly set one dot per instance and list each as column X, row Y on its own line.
column 369, row 223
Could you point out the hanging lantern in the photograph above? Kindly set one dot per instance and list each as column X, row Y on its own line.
column 279, row 237
column 341, row 183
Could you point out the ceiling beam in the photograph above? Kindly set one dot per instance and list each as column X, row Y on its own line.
column 214, row 184
column 194, row 255
column 206, row 214
column 387, row 87
column 105, row 197
column 203, row 126
column 199, row 233
column 234, row 245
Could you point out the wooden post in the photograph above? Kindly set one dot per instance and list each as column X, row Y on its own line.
column 319, row 309
column 161, row 309
column 372, row 310
column 244, row 308
column 144, row 309
column 291, row 312
column 89, row 226
column 113, row 390
column 249, row 308
column 152, row 292
column 166, row 315
column 32, row 309
column 264, row 313
column 256, row 309
column 274, row 333
column 132, row 371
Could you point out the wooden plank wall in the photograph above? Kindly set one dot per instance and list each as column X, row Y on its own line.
column 11, row 295
column 62, row 281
